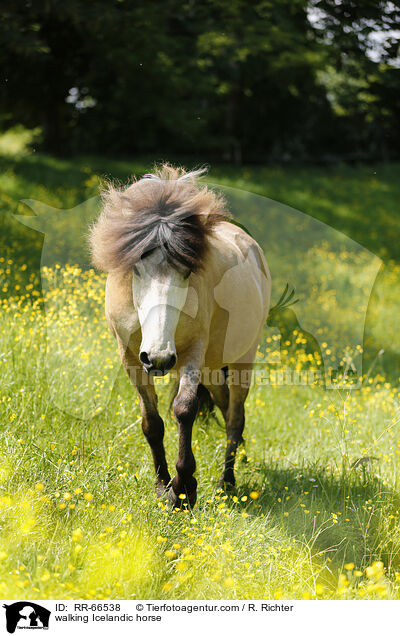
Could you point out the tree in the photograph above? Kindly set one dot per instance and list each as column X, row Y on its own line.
column 232, row 79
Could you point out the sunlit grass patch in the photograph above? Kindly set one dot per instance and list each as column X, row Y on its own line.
column 121, row 565
column 17, row 141
column 24, row 517
column 76, row 340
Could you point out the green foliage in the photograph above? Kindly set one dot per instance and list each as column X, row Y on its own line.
column 281, row 79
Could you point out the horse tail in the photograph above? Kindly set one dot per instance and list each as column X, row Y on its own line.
column 206, row 402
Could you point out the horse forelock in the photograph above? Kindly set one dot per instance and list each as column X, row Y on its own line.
column 167, row 209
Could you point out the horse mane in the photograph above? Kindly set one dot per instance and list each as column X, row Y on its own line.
column 167, row 209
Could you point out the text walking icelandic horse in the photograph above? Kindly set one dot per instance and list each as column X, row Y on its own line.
column 186, row 289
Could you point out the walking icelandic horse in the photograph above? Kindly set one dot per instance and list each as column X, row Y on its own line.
column 188, row 290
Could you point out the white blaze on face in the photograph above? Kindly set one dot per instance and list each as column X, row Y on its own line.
column 159, row 295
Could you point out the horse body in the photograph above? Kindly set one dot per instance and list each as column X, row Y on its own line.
column 196, row 320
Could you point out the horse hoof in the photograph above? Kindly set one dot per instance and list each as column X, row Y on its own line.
column 228, row 486
column 182, row 501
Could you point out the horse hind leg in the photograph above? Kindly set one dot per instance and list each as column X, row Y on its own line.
column 220, row 393
column 235, row 423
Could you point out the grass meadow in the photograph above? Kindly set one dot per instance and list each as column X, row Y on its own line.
column 316, row 510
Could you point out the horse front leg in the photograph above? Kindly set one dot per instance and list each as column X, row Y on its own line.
column 152, row 424
column 184, row 486
column 153, row 430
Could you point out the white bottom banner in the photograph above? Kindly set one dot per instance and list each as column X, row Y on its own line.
column 151, row 617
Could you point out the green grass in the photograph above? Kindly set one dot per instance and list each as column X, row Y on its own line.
column 78, row 515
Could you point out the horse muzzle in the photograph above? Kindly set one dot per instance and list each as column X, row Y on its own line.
column 159, row 364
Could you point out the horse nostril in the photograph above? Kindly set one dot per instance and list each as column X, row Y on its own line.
column 161, row 363
column 144, row 358
column 170, row 363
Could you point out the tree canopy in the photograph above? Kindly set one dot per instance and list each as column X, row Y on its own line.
column 240, row 80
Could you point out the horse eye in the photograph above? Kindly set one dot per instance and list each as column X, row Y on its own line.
column 135, row 269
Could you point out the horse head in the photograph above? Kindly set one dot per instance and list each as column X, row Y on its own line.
column 159, row 294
